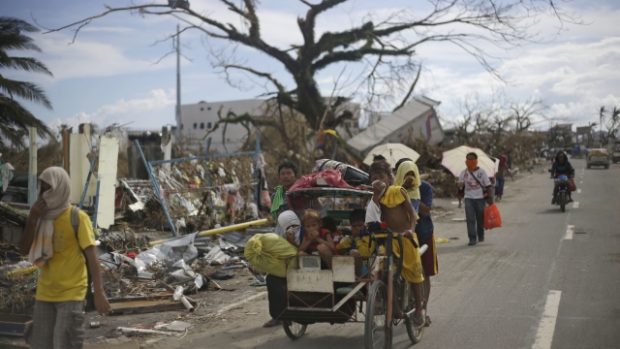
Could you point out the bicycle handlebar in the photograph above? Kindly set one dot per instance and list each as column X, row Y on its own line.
column 423, row 249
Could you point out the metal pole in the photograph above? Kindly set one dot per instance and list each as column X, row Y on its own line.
column 32, row 167
column 259, row 177
column 90, row 173
column 178, row 106
column 156, row 190
column 96, row 204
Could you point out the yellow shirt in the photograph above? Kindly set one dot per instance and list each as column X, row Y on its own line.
column 363, row 244
column 64, row 276
column 393, row 196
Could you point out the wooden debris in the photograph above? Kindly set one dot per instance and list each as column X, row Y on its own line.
column 150, row 304
column 13, row 215
column 14, row 324
column 130, row 330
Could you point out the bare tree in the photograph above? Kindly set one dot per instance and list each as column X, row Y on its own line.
column 524, row 114
column 385, row 48
column 612, row 124
column 499, row 126
column 601, row 116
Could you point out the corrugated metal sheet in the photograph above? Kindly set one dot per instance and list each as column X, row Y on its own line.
column 382, row 130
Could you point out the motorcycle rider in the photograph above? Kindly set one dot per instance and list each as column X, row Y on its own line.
column 561, row 166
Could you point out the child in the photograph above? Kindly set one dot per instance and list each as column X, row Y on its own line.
column 332, row 226
column 358, row 244
column 290, row 225
column 315, row 238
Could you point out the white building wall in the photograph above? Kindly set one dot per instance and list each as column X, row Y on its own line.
column 198, row 118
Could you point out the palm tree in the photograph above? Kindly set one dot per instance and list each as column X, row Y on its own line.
column 14, row 118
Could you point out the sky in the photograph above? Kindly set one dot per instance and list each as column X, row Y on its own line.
column 119, row 69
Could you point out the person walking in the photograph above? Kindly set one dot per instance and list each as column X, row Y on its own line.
column 287, row 175
column 500, row 177
column 64, row 257
column 476, row 184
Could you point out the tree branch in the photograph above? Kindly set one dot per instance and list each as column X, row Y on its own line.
column 411, row 88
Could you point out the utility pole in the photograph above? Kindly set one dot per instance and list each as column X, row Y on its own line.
column 178, row 106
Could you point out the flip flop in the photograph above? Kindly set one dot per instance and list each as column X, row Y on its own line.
column 427, row 321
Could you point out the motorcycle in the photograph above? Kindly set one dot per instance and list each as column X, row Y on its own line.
column 561, row 196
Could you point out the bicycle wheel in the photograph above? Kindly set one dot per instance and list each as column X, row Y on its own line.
column 294, row 330
column 414, row 333
column 377, row 328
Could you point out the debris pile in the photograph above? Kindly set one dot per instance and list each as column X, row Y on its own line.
column 203, row 194
column 17, row 286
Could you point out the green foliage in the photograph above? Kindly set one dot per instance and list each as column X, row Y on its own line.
column 14, row 117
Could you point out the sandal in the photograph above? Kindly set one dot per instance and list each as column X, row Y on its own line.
column 272, row 323
column 427, row 321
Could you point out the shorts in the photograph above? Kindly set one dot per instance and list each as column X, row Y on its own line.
column 412, row 266
column 57, row 325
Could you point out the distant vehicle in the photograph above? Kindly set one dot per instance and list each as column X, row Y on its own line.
column 597, row 157
column 615, row 155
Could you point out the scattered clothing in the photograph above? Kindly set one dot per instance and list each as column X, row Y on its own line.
column 6, row 174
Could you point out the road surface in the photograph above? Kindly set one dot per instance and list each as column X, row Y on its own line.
column 546, row 279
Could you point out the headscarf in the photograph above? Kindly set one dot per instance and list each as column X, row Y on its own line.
column 288, row 218
column 56, row 202
column 404, row 168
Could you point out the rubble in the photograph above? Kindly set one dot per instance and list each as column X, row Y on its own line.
column 17, row 287
column 13, row 215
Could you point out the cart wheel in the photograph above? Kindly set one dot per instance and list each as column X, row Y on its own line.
column 294, row 330
column 414, row 333
column 377, row 329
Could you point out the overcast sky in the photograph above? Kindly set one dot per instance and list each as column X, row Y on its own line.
column 111, row 74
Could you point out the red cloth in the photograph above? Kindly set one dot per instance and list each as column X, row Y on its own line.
column 325, row 178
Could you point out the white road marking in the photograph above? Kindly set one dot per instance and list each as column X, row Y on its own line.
column 455, row 202
column 546, row 327
column 580, row 182
column 579, row 191
column 575, row 204
column 570, row 230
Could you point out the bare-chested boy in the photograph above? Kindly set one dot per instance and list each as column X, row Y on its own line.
column 399, row 215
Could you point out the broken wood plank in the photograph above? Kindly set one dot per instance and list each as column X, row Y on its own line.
column 14, row 324
column 145, row 306
column 13, row 215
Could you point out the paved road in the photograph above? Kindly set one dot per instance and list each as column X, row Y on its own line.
column 547, row 279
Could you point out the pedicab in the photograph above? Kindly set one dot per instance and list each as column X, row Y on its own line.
column 374, row 294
